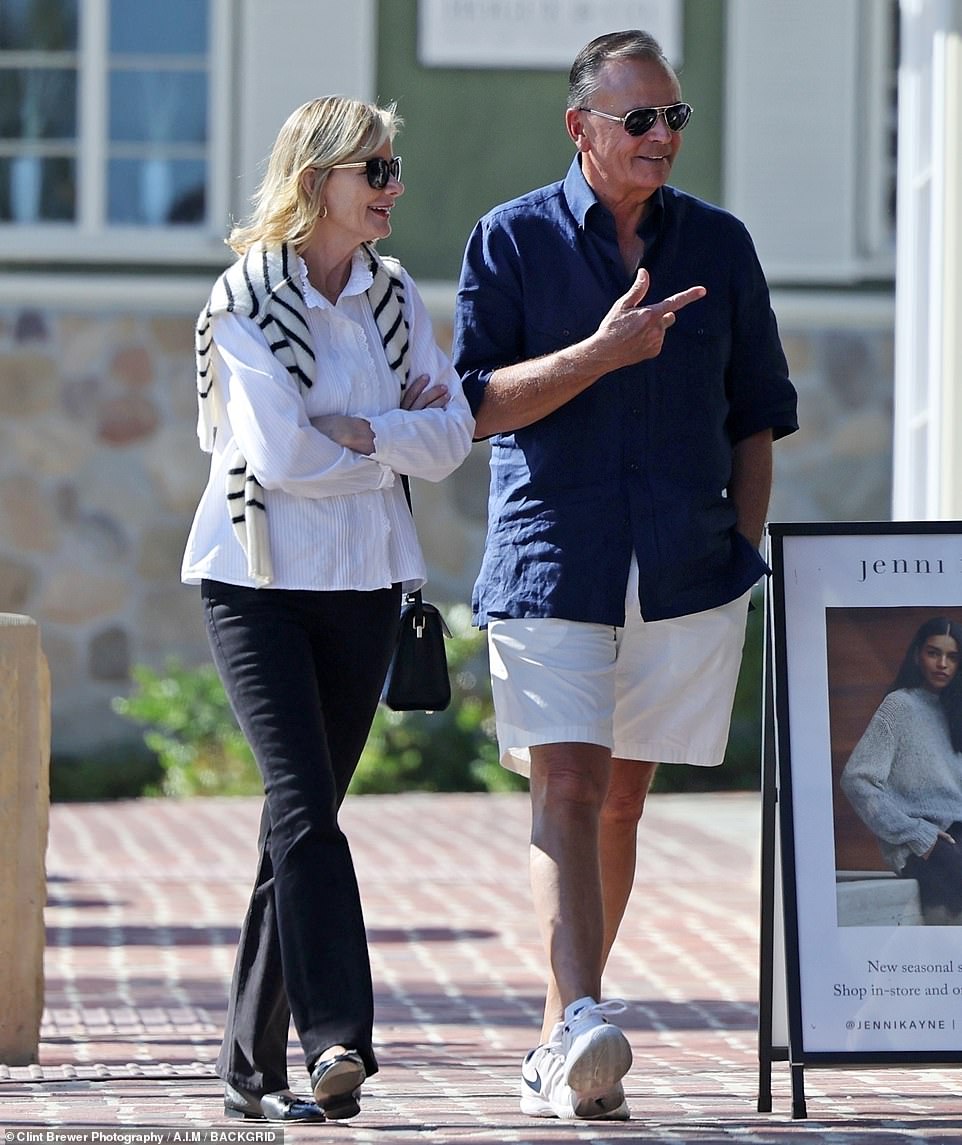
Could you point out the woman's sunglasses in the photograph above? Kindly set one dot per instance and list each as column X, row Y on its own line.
column 378, row 170
column 640, row 120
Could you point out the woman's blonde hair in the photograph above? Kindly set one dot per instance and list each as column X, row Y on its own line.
column 318, row 134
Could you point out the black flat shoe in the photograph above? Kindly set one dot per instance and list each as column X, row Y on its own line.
column 280, row 1106
column 336, row 1083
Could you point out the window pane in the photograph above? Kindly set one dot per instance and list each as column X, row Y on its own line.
column 38, row 103
column 159, row 106
column 38, row 25
column 37, row 190
column 156, row 192
column 159, row 27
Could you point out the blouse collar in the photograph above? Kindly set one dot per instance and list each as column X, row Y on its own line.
column 359, row 280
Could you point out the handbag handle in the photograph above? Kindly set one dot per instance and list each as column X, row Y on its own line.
column 415, row 597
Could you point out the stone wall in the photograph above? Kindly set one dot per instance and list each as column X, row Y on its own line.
column 838, row 466
column 100, row 472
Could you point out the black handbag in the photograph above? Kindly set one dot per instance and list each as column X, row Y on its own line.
column 417, row 678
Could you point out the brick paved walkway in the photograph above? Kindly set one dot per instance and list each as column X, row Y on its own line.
column 144, row 904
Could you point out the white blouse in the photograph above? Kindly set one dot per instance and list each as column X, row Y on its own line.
column 337, row 519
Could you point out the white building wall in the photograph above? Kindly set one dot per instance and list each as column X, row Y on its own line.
column 807, row 133
column 290, row 51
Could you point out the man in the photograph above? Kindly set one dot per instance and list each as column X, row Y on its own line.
column 631, row 447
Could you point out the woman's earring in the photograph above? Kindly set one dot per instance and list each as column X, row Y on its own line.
column 323, row 214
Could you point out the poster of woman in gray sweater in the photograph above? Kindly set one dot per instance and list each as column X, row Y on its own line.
column 904, row 777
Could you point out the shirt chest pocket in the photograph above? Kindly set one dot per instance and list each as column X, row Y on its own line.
column 695, row 350
column 547, row 333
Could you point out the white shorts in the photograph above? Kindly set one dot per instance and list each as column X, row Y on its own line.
column 660, row 691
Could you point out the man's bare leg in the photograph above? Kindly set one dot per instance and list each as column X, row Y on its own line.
column 621, row 812
column 569, row 782
column 620, row 816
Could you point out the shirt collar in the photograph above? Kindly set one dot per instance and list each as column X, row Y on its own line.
column 358, row 281
column 580, row 196
column 581, row 199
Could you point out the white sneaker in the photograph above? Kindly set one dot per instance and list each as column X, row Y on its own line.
column 545, row 1094
column 596, row 1053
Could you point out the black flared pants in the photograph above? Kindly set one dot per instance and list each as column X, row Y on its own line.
column 303, row 672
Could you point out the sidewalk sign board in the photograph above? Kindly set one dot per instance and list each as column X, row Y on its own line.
column 870, row 978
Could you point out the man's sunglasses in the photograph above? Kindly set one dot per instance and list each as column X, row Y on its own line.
column 640, row 120
column 378, row 170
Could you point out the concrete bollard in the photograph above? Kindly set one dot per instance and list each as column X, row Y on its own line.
column 24, row 814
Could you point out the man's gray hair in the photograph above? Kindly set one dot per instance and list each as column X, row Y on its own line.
column 629, row 45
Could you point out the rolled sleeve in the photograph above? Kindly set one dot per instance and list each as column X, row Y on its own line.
column 760, row 391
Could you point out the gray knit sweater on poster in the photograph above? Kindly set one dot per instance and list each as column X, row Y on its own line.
column 903, row 778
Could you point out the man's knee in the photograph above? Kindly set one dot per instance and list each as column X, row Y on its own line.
column 568, row 778
column 627, row 791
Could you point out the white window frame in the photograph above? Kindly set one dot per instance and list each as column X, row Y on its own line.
column 927, row 471
column 90, row 237
column 807, row 129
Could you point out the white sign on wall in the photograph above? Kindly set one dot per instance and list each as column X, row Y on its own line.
column 535, row 33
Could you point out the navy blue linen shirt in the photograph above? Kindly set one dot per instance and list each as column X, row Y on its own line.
column 641, row 459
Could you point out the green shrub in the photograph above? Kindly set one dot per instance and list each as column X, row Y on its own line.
column 192, row 731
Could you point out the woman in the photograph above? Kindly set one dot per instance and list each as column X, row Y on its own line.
column 319, row 382
column 904, row 777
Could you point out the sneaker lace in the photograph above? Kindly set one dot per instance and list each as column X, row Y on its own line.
column 609, row 1006
column 612, row 1006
